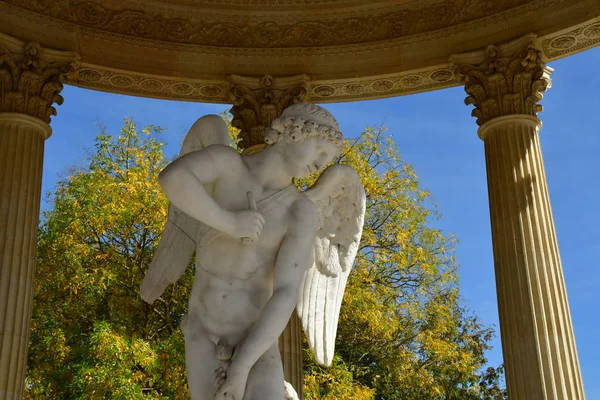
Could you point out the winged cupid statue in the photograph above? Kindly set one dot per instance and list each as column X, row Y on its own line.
column 262, row 248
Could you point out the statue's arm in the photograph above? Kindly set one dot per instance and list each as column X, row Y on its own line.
column 183, row 183
column 293, row 259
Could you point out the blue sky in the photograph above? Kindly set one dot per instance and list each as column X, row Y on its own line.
column 435, row 132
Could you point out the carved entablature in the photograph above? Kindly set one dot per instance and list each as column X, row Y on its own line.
column 352, row 49
column 268, row 24
column 31, row 77
column 503, row 80
column 258, row 101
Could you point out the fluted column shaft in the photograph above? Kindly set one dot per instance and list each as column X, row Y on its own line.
column 535, row 322
column 290, row 347
column 22, row 149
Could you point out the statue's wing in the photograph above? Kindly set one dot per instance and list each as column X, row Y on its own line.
column 341, row 197
column 207, row 130
column 182, row 233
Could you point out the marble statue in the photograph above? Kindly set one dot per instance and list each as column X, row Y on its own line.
column 262, row 248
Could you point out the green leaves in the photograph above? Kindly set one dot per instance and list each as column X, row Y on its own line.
column 402, row 332
column 92, row 335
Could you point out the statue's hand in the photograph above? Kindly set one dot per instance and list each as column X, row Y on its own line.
column 247, row 224
column 234, row 385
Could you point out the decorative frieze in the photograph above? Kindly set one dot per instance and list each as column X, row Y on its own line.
column 572, row 41
column 437, row 77
column 145, row 85
column 31, row 77
column 229, row 24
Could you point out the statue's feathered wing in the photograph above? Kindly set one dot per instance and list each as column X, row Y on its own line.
column 341, row 197
column 182, row 233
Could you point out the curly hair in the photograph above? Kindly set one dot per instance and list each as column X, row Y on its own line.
column 303, row 121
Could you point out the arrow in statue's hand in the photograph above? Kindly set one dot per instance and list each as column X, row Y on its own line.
column 251, row 207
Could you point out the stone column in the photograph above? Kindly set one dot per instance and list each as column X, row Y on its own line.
column 256, row 103
column 505, row 84
column 29, row 86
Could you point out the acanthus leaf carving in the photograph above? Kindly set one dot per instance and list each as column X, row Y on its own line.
column 258, row 101
column 31, row 77
column 503, row 81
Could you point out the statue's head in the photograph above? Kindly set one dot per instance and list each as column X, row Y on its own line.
column 303, row 121
column 309, row 135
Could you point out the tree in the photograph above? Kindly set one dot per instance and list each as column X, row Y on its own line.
column 402, row 332
column 92, row 337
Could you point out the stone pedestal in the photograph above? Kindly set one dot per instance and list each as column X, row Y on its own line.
column 22, row 148
column 30, row 83
column 505, row 84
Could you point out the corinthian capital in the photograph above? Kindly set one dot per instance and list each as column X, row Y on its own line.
column 503, row 80
column 258, row 101
column 31, row 77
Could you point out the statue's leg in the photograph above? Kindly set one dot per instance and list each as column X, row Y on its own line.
column 200, row 359
column 266, row 377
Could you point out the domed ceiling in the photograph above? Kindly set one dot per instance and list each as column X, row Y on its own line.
column 343, row 49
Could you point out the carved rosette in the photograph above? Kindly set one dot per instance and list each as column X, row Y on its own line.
column 502, row 81
column 31, row 78
column 258, row 101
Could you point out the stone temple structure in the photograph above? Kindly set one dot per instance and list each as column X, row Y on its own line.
column 263, row 55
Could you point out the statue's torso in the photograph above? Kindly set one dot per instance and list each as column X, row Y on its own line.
column 235, row 280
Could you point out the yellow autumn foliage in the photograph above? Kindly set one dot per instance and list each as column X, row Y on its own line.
column 402, row 333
